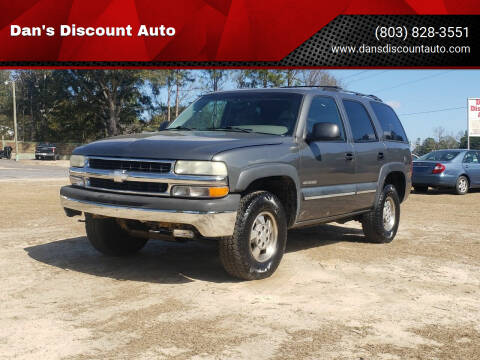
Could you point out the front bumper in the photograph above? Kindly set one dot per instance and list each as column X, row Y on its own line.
column 211, row 217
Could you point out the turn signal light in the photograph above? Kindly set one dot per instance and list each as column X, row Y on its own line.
column 438, row 169
column 199, row 191
column 218, row 191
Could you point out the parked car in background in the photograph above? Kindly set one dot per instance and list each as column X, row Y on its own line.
column 458, row 169
column 46, row 151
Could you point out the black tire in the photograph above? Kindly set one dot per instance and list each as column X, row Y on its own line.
column 373, row 222
column 109, row 238
column 420, row 188
column 235, row 251
column 37, row 157
column 462, row 185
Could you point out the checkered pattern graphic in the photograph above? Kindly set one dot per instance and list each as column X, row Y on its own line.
column 355, row 30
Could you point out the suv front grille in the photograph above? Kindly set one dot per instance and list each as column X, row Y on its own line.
column 131, row 165
column 134, row 186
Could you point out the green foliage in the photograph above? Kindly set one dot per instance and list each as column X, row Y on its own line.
column 291, row 77
column 474, row 142
column 85, row 105
column 6, row 121
column 260, row 78
column 213, row 79
column 430, row 144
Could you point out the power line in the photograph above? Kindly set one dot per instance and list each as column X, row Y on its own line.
column 368, row 77
column 434, row 111
column 412, row 82
column 355, row 74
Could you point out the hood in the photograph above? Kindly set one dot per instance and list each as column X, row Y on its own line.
column 173, row 145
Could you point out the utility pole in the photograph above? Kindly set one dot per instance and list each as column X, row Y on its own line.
column 468, row 125
column 15, row 121
column 14, row 118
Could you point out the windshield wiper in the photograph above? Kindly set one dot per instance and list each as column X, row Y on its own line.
column 230, row 128
column 180, row 127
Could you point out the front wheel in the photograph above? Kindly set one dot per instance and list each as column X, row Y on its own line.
column 381, row 224
column 256, row 247
column 106, row 235
column 462, row 185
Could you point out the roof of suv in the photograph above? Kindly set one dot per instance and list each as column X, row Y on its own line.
column 305, row 90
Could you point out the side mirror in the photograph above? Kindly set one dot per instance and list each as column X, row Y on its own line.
column 324, row 132
column 163, row 125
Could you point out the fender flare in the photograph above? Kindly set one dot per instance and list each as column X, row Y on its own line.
column 261, row 171
column 387, row 169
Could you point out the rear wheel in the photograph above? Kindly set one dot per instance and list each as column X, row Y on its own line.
column 381, row 224
column 106, row 235
column 420, row 188
column 461, row 188
column 258, row 242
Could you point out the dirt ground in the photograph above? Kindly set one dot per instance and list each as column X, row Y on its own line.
column 60, row 163
column 333, row 296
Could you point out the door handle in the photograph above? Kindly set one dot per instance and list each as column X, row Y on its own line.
column 380, row 156
column 348, row 156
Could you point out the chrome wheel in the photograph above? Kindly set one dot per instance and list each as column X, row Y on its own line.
column 462, row 185
column 388, row 214
column 263, row 237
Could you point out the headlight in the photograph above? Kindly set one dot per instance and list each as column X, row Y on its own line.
column 77, row 161
column 200, row 168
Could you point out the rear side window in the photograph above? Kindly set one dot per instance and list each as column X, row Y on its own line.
column 392, row 128
column 324, row 109
column 444, row 155
column 360, row 122
column 471, row 157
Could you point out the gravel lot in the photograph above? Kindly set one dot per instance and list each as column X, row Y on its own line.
column 333, row 296
column 33, row 169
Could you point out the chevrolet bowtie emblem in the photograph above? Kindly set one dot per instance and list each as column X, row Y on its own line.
column 120, row 175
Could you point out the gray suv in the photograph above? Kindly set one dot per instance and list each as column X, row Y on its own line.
column 242, row 167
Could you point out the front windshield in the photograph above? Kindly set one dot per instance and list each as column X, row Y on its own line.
column 261, row 112
column 439, row 155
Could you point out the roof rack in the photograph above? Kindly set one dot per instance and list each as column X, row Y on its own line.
column 336, row 88
column 365, row 95
column 326, row 87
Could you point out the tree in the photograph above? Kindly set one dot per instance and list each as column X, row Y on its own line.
column 6, row 121
column 474, row 142
column 115, row 94
column 260, row 78
column 448, row 142
column 182, row 77
column 292, row 77
column 158, row 80
column 428, row 145
column 438, row 133
column 318, row 77
column 214, row 79
column 417, row 147
column 241, row 79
